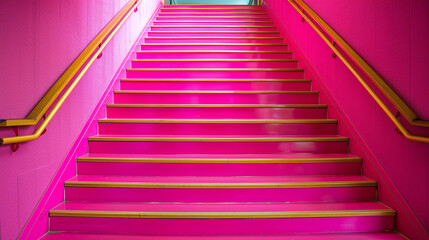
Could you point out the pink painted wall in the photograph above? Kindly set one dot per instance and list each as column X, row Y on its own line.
column 393, row 37
column 39, row 40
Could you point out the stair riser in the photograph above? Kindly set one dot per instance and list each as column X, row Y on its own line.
column 217, row 147
column 210, row 113
column 206, row 22
column 203, row 28
column 214, row 6
column 210, row 34
column 213, row 64
column 216, row 129
column 218, row 169
column 338, row 194
column 212, row 40
column 186, row 9
column 212, row 55
column 211, row 18
column 211, row 14
column 216, row 74
column 214, row 47
column 187, row 98
column 206, row 85
column 223, row 226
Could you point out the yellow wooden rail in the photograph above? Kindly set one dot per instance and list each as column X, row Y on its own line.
column 388, row 92
column 75, row 72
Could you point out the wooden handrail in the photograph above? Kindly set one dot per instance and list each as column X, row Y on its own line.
column 305, row 11
column 75, row 72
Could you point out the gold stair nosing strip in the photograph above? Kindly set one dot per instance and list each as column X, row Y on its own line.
column 216, row 37
column 211, row 26
column 218, row 160
column 207, row 13
column 85, row 184
column 223, row 215
column 220, row 105
column 187, row 21
column 263, row 121
column 213, row 51
column 215, row 44
column 211, row 17
column 214, row 60
column 270, row 32
column 217, row 69
column 188, row 8
column 218, row 139
column 211, row 80
column 211, row 92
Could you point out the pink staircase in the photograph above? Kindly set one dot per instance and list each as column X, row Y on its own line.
column 216, row 134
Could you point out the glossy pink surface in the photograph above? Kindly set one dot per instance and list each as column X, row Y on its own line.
column 214, row 85
column 212, row 40
column 213, row 55
column 217, row 128
column 335, row 236
column 207, row 98
column 375, row 30
column 152, row 63
column 142, row 199
column 217, row 169
column 239, row 113
column 222, row 226
column 211, row 28
column 208, row 46
column 40, row 39
column 208, row 22
column 218, row 147
column 211, row 34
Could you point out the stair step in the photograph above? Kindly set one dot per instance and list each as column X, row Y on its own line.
column 214, row 46
column 209, row 189
column 215, row 84
column 213, row 40
column 212, row 28
column 253, row 33
column 204, row 111
column 212, row 54
column 273, row 73
column 213, row 18
column 332, row 236
column 218, row 165
column 215, row 97
column 218, row 22
column 216, row 127
column 213, row 14
column 221, row 219
column 215, row 63
column 212, row 6
column 206, row 9
column 159, row 144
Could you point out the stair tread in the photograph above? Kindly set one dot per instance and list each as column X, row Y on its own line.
column 332, row 236
column 172, row 180
column 218, row 138
column 216, row 44
column 167, row 120
column 215, row 60
column 214, row 80
column 223, row 105
column 219, row 207
column 222, row 156
column 217, row 91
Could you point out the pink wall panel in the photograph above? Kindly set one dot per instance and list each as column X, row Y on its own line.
column 392, row 37
column 39, row 40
